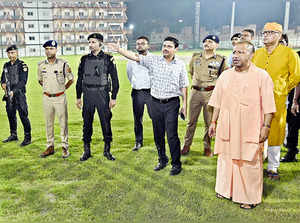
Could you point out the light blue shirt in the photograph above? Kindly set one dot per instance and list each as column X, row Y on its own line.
column 138, row 75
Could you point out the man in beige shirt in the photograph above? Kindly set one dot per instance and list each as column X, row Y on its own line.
column 52, row 75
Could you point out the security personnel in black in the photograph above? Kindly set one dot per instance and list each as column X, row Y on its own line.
column 13, row 81
column 94, row 74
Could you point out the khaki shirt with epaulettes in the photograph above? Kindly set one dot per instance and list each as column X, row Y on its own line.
column 205, row 71
column 54, row 75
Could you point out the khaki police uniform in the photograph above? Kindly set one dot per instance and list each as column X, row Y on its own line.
column 204, row 76
column 54, row 76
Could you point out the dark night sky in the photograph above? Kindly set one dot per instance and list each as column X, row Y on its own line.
column 148, row 15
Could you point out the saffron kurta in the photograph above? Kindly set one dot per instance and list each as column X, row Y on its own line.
column 243, row 98
column 283, row 66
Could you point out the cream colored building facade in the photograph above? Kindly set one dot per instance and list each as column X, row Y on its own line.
column 30, row 23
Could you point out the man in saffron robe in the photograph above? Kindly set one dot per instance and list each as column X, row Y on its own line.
column 243, row 104
column 283, row 66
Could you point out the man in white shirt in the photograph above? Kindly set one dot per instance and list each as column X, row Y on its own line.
column 138, row 76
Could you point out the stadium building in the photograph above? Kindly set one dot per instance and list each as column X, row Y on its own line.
column 30, row 23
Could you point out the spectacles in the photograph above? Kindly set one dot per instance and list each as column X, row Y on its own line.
column 269, row 32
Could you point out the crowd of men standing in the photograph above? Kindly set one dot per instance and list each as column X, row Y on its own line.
column 243, row 101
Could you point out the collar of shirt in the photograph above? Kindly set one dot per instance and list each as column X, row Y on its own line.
column 212, row 57
column 174, row 61
column 47, row 62
column 16, row 62
column 100, row 54
column 277, row 47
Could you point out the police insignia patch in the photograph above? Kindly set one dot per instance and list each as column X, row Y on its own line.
column 53, row 43
column 25, row 69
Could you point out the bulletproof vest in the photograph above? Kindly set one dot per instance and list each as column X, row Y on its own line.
column 13, row 75
column 95, row 72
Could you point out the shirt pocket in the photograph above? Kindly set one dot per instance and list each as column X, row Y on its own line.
column 60, row 77
column 250, row 123
column 223, row 127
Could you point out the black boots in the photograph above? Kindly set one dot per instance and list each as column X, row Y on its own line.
column 12, row 137
column 107, row 153
column 290, row 156
column 27, row 139
column 87, row 152
column 162, row 159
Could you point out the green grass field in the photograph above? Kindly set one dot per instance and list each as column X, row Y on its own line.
column 33, row 189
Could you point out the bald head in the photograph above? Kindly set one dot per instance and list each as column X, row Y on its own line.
column 249, row 46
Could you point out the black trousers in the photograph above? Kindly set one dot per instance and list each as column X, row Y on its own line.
column 96, row 99
column 19, row 104
column 165, row 119
column 140, row 98
column 293, row 127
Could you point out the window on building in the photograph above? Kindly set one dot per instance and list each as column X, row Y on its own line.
column 81, row 37
column 30, row 13
column 67, row 25
column 68, row 49
column 31, row 38
column 46, row 26
column 81, row 13
column 82, row 48
column 30, row 25
column 46, row 13
column 67, row 13
column 101, row 25
column 81, row 25
column 46, row 37
column 32, row 50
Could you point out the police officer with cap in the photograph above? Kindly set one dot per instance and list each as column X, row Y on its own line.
column 13, row 81
column 94, row 74
column 55, row 76
column 205, row 68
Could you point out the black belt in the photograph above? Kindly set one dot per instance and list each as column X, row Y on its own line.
column 164, row 101
column 145, row 89
column 209, row 88
column 95, row 86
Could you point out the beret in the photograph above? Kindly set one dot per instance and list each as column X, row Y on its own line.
column 51, row 43
column 212, row 37
column 96, row 36
column 12, row 47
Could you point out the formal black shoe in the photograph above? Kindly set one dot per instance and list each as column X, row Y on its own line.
column 109, row 156
column 87, row 153
column 107, row 153
column 175, row 170
column 25, row 142
column 10, row 139
column 161, row 165
column 288, row 159
column 137, row 146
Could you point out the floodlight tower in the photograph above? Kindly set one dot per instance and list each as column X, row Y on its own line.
column 287, row 16
column 232, row 17
column 197, row 25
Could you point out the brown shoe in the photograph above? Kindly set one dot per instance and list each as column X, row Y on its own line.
column 185, row 150
column 49, row 151
column 65, row 153
column 208, row 152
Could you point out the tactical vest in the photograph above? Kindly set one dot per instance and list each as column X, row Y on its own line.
column 12, row 74
column 95, row 72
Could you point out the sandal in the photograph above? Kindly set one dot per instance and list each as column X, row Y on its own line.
column 248, row 206
column 221, row 197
